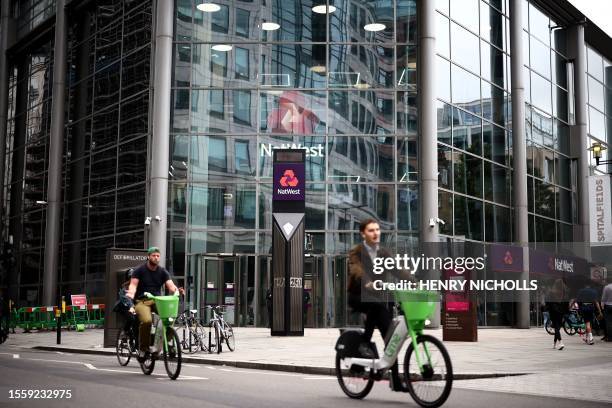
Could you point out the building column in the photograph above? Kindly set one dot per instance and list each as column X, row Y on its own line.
column 56, row 145
column 5, row 12
column 578, row 131
column 160, row 141
column 428, row 131
column 519, row 156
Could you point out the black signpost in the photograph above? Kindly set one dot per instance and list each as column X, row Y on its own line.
column 288, row 207
column 118, row 262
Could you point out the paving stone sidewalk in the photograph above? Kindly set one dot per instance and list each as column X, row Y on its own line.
column 580, row 371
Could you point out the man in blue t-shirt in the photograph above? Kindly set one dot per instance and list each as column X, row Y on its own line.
column 148, row 277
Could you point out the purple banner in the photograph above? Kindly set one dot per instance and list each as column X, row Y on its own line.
column 543, row 263
column 289, row 182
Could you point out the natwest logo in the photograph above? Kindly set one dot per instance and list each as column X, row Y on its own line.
column 563, row 265
column 289, row 179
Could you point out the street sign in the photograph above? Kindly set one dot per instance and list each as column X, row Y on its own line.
column 78, row 300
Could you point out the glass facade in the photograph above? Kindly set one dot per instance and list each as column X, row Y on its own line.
column 599, row 107
column 105, row 147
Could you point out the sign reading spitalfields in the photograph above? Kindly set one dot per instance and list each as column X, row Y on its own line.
column 289, row 182
column 600, row 214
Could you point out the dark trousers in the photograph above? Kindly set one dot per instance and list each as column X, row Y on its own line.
column 607, row 312
column 556, row 318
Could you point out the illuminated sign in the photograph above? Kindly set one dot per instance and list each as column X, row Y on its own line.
column 288, row 182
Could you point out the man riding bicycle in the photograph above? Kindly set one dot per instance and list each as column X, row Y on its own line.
column 148, row 277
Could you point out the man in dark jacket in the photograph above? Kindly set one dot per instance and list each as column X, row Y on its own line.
column 361, row 296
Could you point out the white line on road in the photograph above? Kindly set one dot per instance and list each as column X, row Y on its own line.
column 184, row 377
column 211, row 368
column 191, row 365
column 15, row 355
column 319, row 378
column 90, row 366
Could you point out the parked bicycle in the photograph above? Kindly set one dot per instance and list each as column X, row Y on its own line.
column 220, row 331
column 164, row 339
column 428, row 372
column 193, row 336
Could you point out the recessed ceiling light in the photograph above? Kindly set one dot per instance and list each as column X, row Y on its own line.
column 268, row 26
column 319, row 69
column 222, row 47
column 208, row 7
column 374, row 27
column 323, row 9
column 362, row 85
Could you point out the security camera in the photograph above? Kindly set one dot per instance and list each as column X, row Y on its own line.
column 157, row 218
column 433, row 221
column 147, row 221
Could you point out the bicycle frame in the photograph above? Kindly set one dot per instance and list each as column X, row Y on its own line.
column 392, row 349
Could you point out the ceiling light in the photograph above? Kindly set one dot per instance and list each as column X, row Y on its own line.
column 374, row 27
column 222, row 47
column 318, row 69
column 208, row 7
column 323, row 9
column 267, row 26
column 362, row 85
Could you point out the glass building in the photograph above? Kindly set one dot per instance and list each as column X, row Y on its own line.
column 171, row 110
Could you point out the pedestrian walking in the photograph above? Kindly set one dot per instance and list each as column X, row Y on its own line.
column 557, row 308
column 606, row 304
column 588, row 301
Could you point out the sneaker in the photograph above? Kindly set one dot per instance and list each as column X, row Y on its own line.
column 561, row 346
column 591, row 342
column 365, row 351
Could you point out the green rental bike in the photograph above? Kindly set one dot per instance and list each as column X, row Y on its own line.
column 428, row 372
column 164, row 339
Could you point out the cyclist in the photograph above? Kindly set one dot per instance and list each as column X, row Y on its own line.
column 362, row 298
column 125, row 305
column 148, row 277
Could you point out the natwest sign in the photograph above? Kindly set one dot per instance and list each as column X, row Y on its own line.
column 289, row 182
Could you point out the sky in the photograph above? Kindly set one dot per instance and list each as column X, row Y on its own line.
column 598, row 11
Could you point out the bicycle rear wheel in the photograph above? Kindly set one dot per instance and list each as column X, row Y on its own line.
column 214, row 343
column 431, row 386
column 568, row 328
column 122, row 346
column 355, row 381
column 230, row 340
column 172, row 354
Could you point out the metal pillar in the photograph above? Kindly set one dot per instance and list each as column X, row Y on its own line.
column 519, row 156
column 428, row 131
column 577, row 51
column 56, row 145
column 160, row 142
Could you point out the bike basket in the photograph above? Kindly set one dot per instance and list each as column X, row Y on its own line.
column 167, row 306
column 417, row 304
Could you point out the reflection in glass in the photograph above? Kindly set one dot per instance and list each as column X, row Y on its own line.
column 230, row 205
column 293, row 66
column 221, row 158
column 373, row 161
column 465, row 89
column 468, row 218
column 347, row 24
column 296, row 19
column 467, row 130
column 233, row 68
column 223, row 111
column 465, row 48
column 361, row 201
column 363, row 112
column 408, row 207
column 407, row 162
column 292, row 112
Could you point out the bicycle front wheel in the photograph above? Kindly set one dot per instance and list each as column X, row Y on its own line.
column 568, row 328
column 230, row 340
column 122, row 346
column 429, row 385
column 172, row 354
column 549, row 327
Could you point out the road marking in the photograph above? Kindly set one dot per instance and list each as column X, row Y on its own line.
column 182, row 377
column 90, row 366
column 192, row 365
column 319, row 378
column 15, row 355
column 53, row 361
column 211, row 368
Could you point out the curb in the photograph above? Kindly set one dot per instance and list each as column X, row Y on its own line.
column 301, row 369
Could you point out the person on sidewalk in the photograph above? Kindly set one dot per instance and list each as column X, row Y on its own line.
column 148, row 277
column 588, row 302
column 360, row 282
column 557, row 308
column 606, row 304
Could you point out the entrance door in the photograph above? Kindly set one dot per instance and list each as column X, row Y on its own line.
column 228, row 281
column 314, row 292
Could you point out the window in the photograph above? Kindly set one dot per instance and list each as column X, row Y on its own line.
column 242, row 22
column 242, row 63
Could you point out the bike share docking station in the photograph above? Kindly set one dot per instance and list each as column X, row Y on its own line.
column 288, row 208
